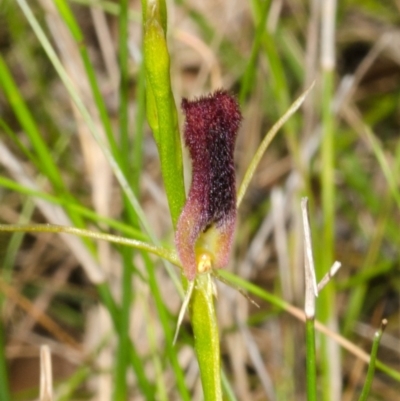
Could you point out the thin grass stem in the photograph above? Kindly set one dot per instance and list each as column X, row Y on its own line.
column 371, row 367
column 77, row 208
column 169, row 255
column 266, row 142
column 70, row 21
column 311, row 363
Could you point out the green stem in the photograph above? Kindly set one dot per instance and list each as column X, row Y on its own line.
column 206, row 337
column 372, row 362
column 311, row 361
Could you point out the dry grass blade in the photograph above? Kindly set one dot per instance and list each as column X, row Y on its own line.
column 46, row 376
column 54, row 215
column 311, row 281
column 332, row 271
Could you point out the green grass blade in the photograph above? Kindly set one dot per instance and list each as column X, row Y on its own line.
column 157, row 357
column 134, row 358
column 66, row 390
column 122, row 360
column 78, row 209
column 394, row 374
column 123, row 157
column 250, row 72
column 168, row 333
column 390, row 174
column 371, row 367
column 228, row 391
column 28, row 154
column 76, row 32
column 48, row 167
column 357, row 297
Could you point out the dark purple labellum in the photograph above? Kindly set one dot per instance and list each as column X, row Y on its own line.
column 207, row 222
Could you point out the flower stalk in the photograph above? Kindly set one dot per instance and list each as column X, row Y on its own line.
column 206, row 337
column 162, row 118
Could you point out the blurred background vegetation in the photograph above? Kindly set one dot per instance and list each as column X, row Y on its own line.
column 342, row 150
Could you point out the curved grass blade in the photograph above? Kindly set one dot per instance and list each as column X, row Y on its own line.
column 371, row 367
column 266, row 142
column 166, row 254
column 77, row 208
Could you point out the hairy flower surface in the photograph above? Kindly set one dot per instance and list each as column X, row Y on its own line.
column 206, row 225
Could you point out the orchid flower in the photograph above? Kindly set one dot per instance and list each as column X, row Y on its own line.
column 206, row 226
